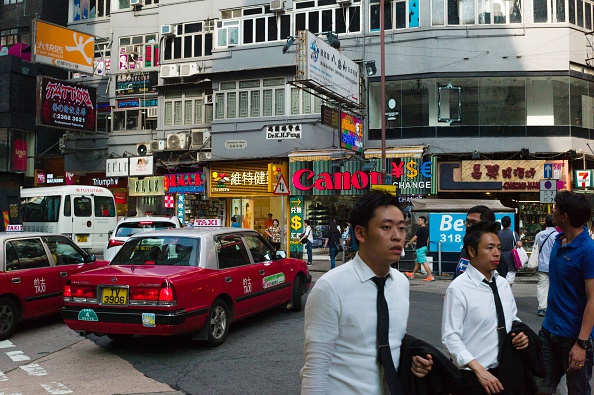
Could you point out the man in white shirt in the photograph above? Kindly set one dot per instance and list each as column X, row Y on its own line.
column 545, row 240
column 470, row 321
column 341, row 319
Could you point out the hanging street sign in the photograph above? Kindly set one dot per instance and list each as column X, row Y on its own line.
column 281, row 187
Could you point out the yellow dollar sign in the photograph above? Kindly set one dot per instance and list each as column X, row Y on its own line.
column 296, row 222
column 412, row 172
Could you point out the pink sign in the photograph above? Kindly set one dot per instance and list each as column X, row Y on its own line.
column 19, row 155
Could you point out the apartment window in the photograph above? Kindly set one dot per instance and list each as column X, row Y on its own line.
column 185, row 108
column 7, row 2
column 250, row 98
column 90, row 9
column 397, row 15
column 322, row 16
column 123, row 4
column 138, row 52
column 193, row 40
column 227, row 33
column 465, row 12
column 9, row 37
column 126, row 119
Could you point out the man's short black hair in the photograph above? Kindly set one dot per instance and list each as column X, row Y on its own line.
column 549, row 221
column 575, row 205
column 476, row 231
column 506, row 221
column 423, row 218
column 485, row 212
column 366, row 204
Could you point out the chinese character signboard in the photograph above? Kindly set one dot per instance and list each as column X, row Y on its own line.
column 184, row 183
column 351, row 132
column 65, row 48
column 136, row 83
column 296, row 225
column 500, row 175
column 66, row 105
column 245, row 179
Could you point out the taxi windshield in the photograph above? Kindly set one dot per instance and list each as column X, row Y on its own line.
column 163, row 251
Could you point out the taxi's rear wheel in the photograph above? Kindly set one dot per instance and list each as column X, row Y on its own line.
column 8, row 318
column 218, row 323
column 296, row 297
column 120, row 337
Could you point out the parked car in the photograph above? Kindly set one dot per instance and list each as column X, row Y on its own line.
column 33, row 271
column 129, row 226
column 184, row 281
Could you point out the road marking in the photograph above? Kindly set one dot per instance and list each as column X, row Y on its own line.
column 34, row 369
column 6, row 344
column 17, row 356
column 9, row 391
column 56, row 388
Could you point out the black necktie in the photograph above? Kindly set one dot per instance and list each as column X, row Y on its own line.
column 383, row 328
column 501, row 332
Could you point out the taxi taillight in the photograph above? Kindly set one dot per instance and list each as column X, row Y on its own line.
column 80, row 293
column 114, row 243
column 163, row 295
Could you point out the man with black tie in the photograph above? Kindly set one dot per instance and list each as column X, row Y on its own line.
column 356, row 314
column 479, row 309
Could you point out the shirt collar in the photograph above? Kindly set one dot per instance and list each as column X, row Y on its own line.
column 477, row 277
column 363, row 271
column 577, row 242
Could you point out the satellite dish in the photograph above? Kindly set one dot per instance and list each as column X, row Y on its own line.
column 142, row 149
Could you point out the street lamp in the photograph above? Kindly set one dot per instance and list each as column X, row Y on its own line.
column 370, row 68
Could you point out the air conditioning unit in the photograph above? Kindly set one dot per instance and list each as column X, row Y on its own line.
column 199, row 138
column 152, row 112
column 177, row 142
column 344, row 3
column 157, row 145
column 169, row 70
column 168, row 30
column 277, row 6
column 143, row 149
column 204, row 156
column 136, row 3
column 188, row 69
column 208, row 99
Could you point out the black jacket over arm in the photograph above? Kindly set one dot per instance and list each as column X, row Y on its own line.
column 442, row 377
column 517, row 368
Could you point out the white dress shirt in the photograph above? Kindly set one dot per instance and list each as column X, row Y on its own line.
column 469, row 322
column 341, row 330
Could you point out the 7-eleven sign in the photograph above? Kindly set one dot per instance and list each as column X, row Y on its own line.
column 583, row 179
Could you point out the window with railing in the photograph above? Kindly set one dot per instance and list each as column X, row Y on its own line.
column 138, row 52
column 192, row 40
column 187, row 107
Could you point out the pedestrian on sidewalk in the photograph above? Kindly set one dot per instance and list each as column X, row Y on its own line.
column 545, row 241
column 567, row 327
column 474, row 215
column 478, row 313
column 333, row 241
column 421, row 237
column 362, row 302
column 307, row 236
column 509, row 240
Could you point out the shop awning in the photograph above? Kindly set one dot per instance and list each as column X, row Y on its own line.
column 456, row 205
column 310, row 155
column 396, row 152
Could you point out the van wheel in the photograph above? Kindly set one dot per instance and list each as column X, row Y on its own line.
column 218, row 323
column 296, row 296
column 8, row 318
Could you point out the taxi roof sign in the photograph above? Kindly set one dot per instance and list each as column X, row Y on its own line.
column 281, row 187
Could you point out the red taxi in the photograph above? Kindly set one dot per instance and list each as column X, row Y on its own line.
column 33, row 271
column 184, row 281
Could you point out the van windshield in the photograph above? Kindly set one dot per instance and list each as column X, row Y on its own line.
column 166, row 251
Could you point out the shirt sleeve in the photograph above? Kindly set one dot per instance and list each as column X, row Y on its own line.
column 452, row 328
column 321, row 332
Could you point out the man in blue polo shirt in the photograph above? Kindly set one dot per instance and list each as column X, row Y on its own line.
column 567, row 328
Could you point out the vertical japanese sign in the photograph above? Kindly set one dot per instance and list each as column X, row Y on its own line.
column 296, row 224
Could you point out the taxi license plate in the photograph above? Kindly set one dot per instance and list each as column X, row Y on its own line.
column 114, row 296
column 82, row 238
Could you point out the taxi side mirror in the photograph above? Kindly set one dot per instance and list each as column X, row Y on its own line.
column 90, row 258
column 280, row 254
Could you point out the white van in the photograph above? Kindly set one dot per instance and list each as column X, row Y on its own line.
column 85, row 214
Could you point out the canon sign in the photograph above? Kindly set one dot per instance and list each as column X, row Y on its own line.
column 305, row 179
